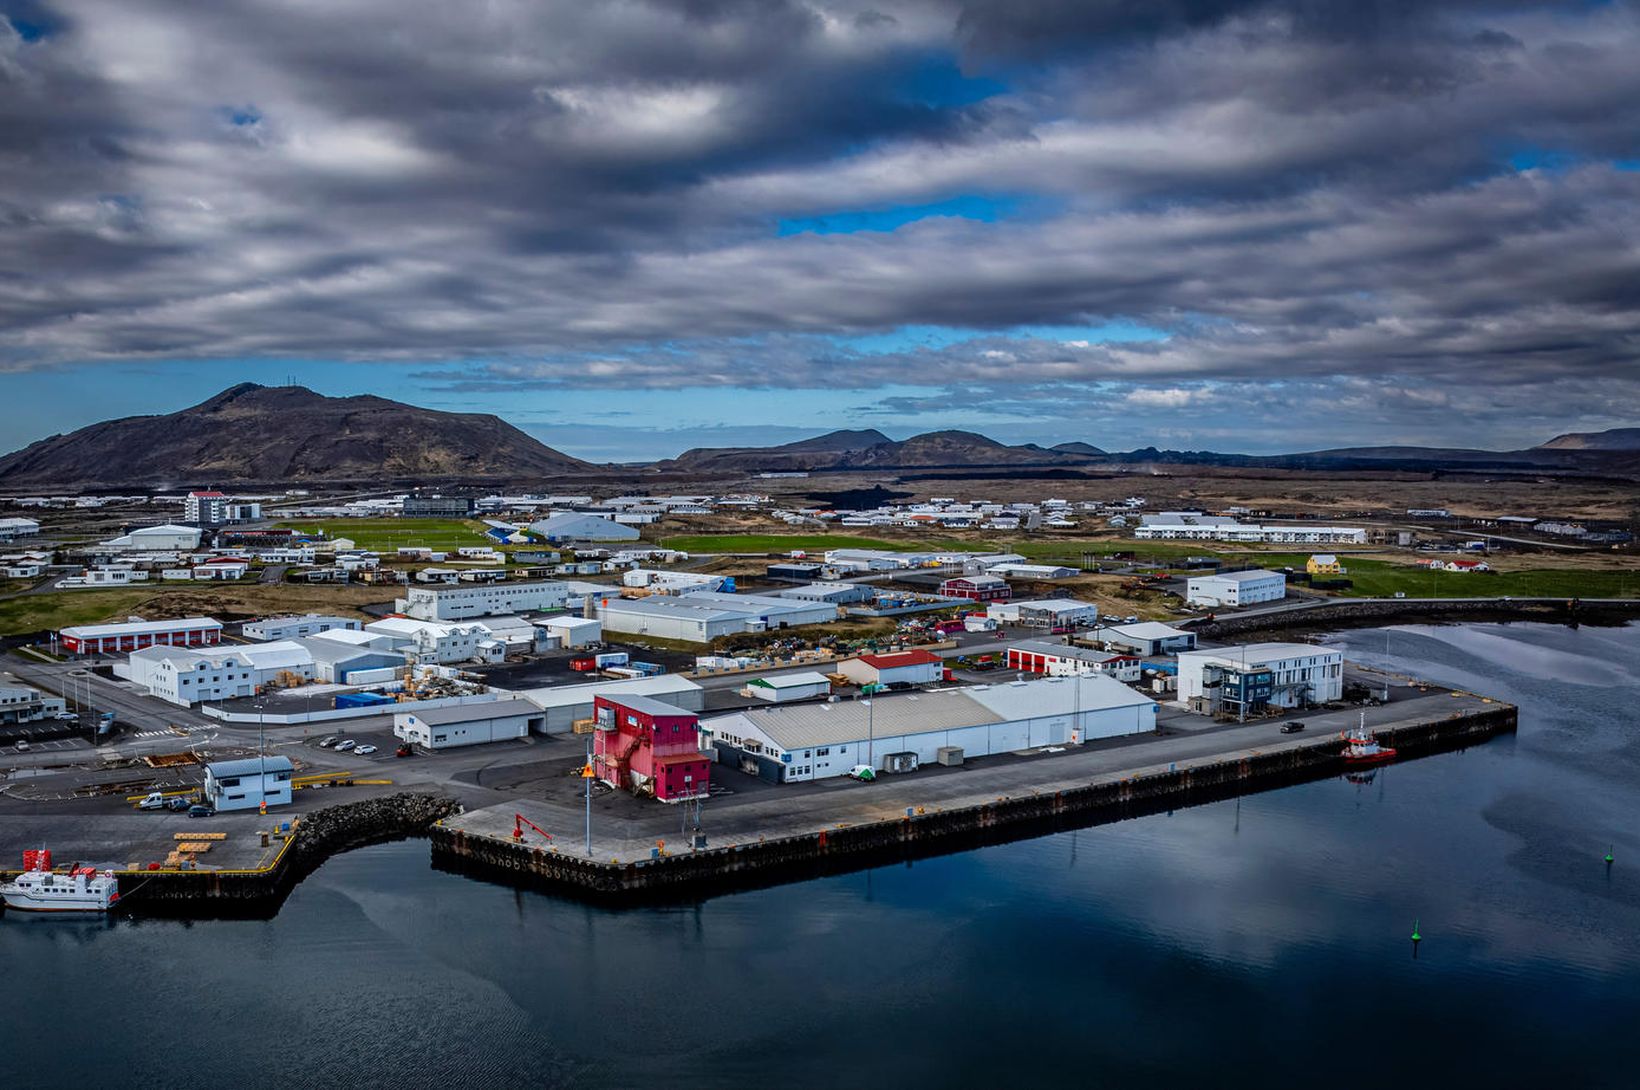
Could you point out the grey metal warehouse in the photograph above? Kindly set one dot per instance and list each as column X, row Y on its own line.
column 469, row 724
column 703, row 616
column 796, row 742
column 564, row 704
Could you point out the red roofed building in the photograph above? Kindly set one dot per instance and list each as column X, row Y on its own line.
column 205, row 508
column 978, row 588
column 899, row 667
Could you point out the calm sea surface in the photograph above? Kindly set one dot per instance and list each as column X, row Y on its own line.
column 1260, row 943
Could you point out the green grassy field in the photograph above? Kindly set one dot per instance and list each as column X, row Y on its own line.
column 1382, row 579
column 387, row 534
column 34, row 612
column 785, row 543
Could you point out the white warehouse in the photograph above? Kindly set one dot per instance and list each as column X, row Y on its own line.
column 1044, row 612
column 185, row 675
column 793, row 743
column 469, row 724
column 1236, row 588
column 454, row 603
column 295, row 628
column 703, row 616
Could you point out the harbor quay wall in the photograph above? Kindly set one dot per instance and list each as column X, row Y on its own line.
column 259, row 892
column 841, row 848
column 1345, row 613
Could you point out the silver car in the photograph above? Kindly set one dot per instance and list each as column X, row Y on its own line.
column 345, row 743
column 364, row 750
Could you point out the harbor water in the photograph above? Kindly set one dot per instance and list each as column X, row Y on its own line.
column 1255, row 942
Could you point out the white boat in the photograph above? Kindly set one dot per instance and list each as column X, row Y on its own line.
column 83, row 889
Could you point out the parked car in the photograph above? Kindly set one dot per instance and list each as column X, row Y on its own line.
column 22, row 745
column 863, row 773
column 67, row 717
column 177, row 803
column 326, row 743
column 154, row 800
column 344, row 744
column 364, row 750
column 1291, row 728
column 201, row 810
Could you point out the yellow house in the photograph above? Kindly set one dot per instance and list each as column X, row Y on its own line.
column 1324, row 564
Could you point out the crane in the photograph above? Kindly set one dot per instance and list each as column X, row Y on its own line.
column 519, row 821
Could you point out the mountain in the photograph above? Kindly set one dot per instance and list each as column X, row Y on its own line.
column 1611, row 439
column 251, row 434
column 1613, row 452
column 870, row 449
column 860, row 439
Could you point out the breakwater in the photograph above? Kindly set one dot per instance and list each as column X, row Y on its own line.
column 1355, row 613
column 259, row 892
column 832, row 848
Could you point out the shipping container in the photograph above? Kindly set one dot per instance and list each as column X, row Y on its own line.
column 362, row 700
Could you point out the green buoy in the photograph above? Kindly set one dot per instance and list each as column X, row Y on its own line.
column 1416, row 937
column 1609, row 855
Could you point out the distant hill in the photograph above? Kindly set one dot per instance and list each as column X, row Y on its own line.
column 251, row 434
column 870, row 450
column 1612, row 439
column 1605, row 452
column 861, row 439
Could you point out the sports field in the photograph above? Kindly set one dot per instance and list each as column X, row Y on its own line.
column 387, row 534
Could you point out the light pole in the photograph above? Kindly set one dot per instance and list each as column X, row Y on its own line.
column 871, row 732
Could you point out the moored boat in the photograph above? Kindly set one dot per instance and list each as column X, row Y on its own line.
column 40, row 889
column 1362, row 748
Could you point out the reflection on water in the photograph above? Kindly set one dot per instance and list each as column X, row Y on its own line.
column 1249, row 941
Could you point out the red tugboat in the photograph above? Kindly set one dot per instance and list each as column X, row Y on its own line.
column 1361, row 748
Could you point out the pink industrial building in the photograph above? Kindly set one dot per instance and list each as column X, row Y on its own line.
column 649, row 748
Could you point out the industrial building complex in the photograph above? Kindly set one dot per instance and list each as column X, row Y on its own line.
column 897, row 733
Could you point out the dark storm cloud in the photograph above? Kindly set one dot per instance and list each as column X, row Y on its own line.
column 1439, row 195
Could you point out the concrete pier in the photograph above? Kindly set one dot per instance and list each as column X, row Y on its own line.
column 799, row 831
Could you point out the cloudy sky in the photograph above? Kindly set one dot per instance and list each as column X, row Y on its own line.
column 634, row 226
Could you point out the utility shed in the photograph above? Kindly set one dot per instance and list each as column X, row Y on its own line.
column 469, row 724
column 782, row 687
column 246, row 784
column 572, row 631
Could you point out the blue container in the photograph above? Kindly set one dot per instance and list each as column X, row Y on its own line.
column 362, row 700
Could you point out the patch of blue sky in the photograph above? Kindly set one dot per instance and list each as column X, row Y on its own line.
column 1551, row 161
column 912, row 337
column 28, row 30
column 241, row 116
column 971, row 206
column 939, row 82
